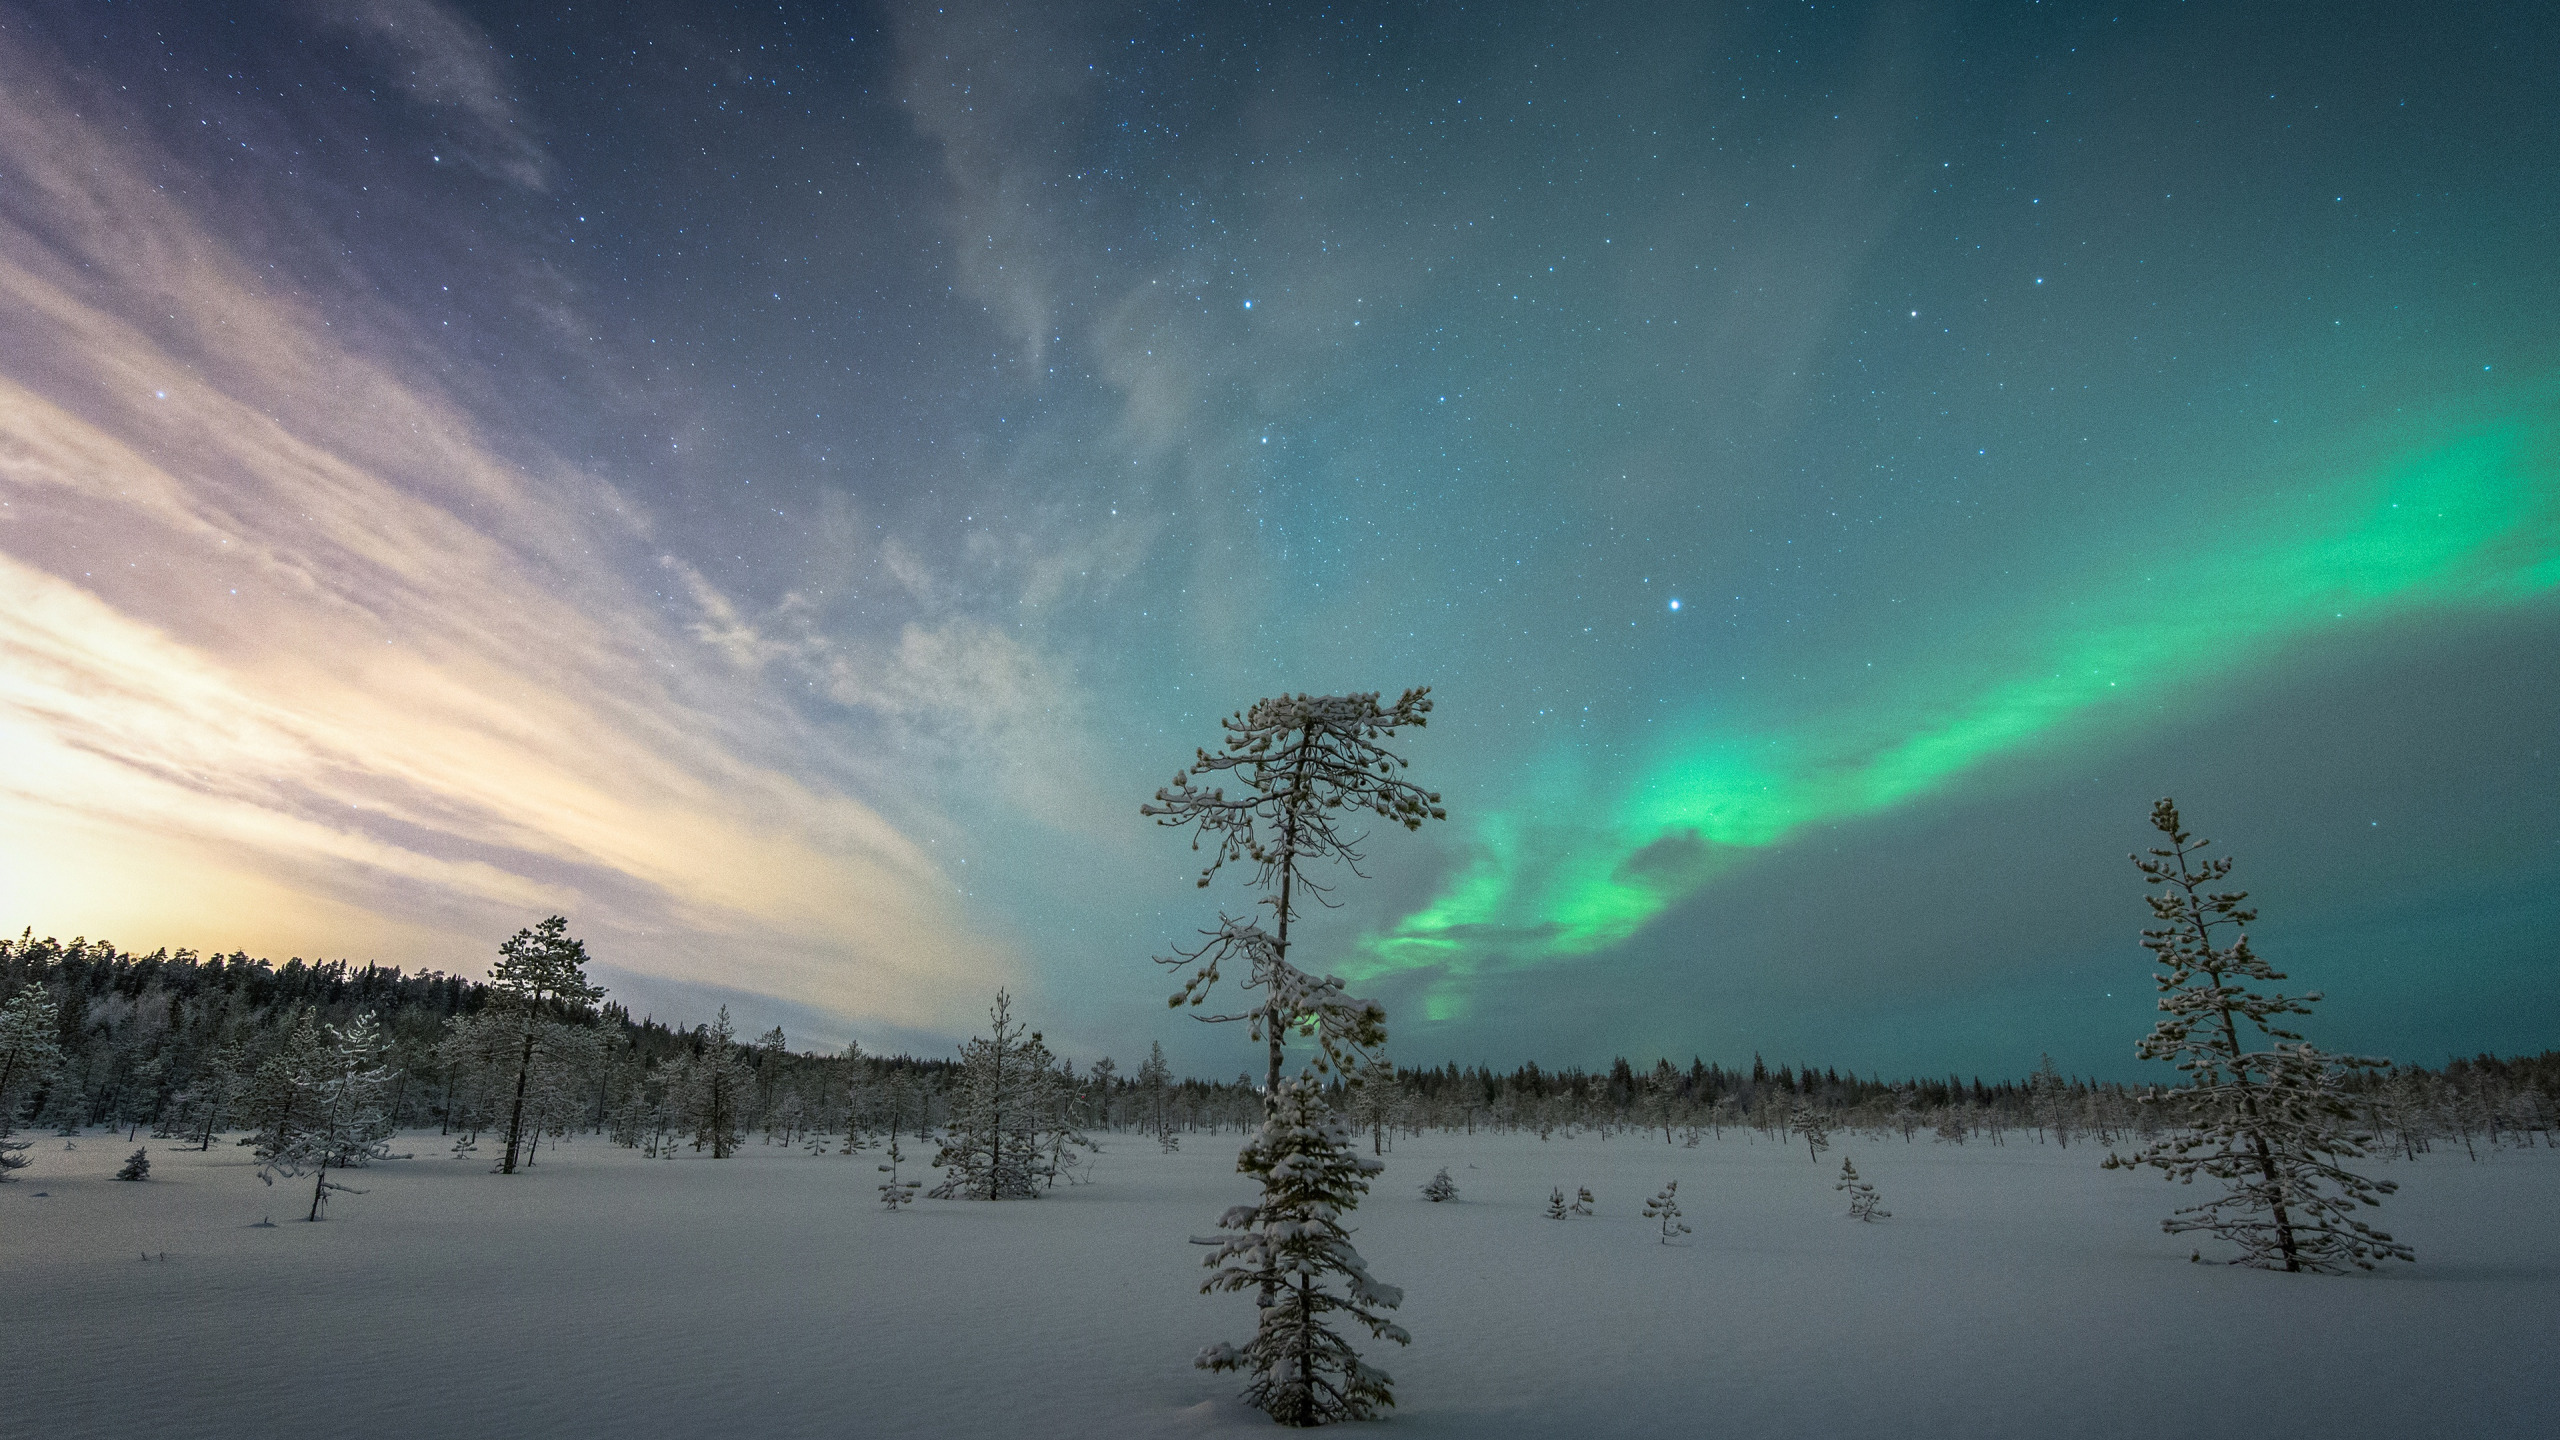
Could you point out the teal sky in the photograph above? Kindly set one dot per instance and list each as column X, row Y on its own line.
column 782, row 489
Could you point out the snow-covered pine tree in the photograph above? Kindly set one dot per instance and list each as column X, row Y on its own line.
column 29, row 1054
column 2049, row 1104
column 137, row 1166
column 1305, row 767
column 274, row 1098
column 1292, row 1247
column 2272, row 1125
column 713, row 1088
column 1951, row 1125
column 1155, row 1088
column 337, row 1121
column 1808, row 1121
column 1864, row 1203
column 1555, row 1204
column 992, row 1150
column 540, row 980
column 1441, row 1187
column 1373, row 1101
column 895, row 1192
column 1665, row 1207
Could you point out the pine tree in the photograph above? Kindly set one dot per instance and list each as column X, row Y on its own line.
column 1373, row 1101
column 1665, row 1207
column 1555, row 1204
column 1155, row 1083
column 711, row 1089
column 2272, row 1125
column 1809, row 1122
column 336, row 1121
column 137, row 1166
column 1441, row 1187
column 895, row 1192
column 2049, row 1102
column 992, row 1150
column 1864, row 1203
column 540, row 978
column 29, row 1055
column 1292, row 1247
column 1305, row 766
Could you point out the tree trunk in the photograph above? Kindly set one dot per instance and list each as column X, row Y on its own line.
column 515, row 1118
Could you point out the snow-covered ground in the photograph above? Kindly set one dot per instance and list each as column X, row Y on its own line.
column 2016, row 1291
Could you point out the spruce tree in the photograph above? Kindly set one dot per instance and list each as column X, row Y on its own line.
column 2271, row 1125
column 1555, row 1204
column 1304, row 767
column 1441, row 1187
column 137, row 1166
column 540, row 981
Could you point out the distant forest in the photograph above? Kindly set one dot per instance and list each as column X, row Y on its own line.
column 174, row 1043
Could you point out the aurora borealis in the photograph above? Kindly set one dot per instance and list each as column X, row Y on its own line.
column 781, row 487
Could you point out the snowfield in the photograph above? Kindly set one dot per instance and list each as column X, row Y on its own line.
column 2016, row 1291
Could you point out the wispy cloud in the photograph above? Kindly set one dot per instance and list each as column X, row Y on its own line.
column 441, row 59
column 285, row 632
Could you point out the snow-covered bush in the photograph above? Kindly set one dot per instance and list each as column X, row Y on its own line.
column 137, row 1166
column 1440, row 1188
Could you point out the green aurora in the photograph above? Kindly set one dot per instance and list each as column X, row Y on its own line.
column 2466, row 518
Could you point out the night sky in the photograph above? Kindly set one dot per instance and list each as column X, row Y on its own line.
column 781, row 485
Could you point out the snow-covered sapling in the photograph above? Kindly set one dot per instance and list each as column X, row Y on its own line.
column 1555, row 1204
column 137, row 1166
column 1441, row 1187
column 1814, row 1126
column 1864, row 1203
column 1665, row 1207
column 1583, row 1204
column 895, row 1192
column 2272, row 1125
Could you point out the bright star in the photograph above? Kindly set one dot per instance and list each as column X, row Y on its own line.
column 1675, row 602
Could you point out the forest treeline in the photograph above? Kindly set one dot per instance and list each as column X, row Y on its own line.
column 176, row 1043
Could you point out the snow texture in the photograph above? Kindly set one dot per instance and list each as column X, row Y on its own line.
column 2020, row 1292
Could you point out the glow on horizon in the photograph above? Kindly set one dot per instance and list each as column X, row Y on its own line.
column 2468, row 521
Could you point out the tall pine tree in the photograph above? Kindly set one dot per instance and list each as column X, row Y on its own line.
column 2271, row 1125
column 1304, row 767
column 539, row 982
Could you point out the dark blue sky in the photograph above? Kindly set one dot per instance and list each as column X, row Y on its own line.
column 781, row 485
